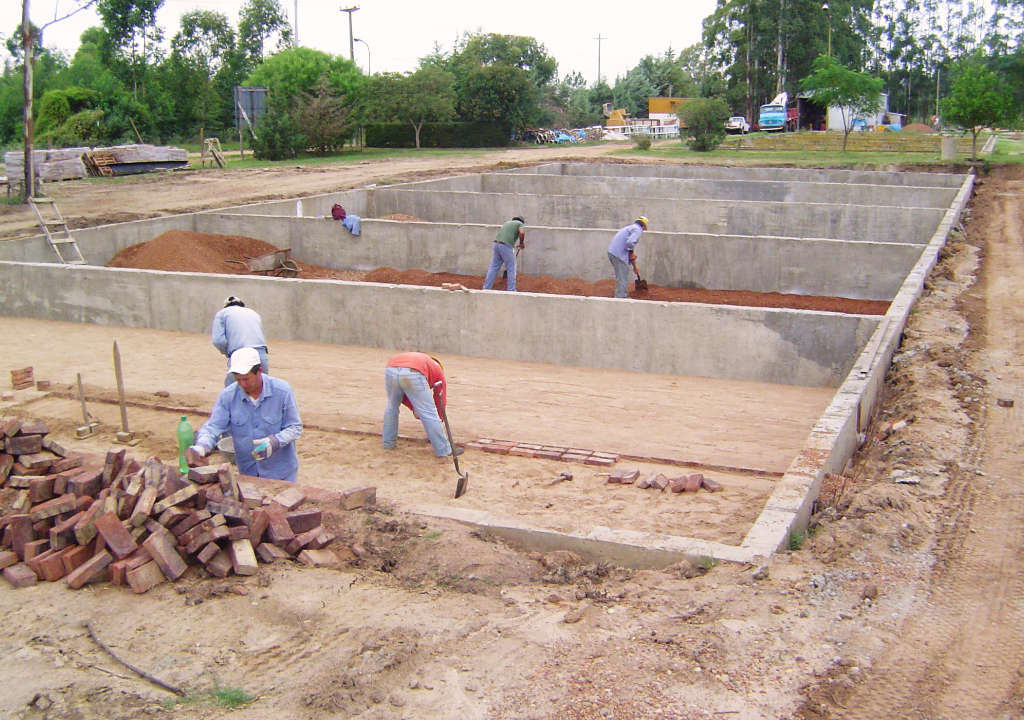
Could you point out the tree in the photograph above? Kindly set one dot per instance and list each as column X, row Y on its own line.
column 325, row 118
column 832, row 84
column 298, row 70
column 427, row 95
column 201, row 50
column 498, row 93
column 258, row 21
column 704, row 119
column 977, row 100
column 134, row 35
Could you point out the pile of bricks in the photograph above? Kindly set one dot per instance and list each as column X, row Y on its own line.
column 87, row 518
column 22, row 378
column 658, row 481
column 545, row 452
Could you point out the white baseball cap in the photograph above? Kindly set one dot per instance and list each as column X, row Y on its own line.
column 243, row 360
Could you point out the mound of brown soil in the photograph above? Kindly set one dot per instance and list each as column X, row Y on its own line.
column 185, row 251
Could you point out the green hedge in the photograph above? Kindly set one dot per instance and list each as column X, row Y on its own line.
column 438, row 135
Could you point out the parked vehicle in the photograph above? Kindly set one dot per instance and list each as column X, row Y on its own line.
column 777, row 116
column 737, row 124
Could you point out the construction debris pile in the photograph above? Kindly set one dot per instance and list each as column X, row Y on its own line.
column 83, row 518
column 77, row 162
column 660, row 482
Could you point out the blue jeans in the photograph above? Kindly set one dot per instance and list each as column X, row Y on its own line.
column 502, row 255
column 622, row 275
column 402, row 382
column 264, row 364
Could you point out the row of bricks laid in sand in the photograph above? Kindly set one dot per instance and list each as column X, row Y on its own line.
column 85, row 518
column 658, row 481
column 544, row 452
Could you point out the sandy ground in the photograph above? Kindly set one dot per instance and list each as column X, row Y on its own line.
column 903, row 602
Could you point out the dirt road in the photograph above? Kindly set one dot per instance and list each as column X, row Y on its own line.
column 904, row 601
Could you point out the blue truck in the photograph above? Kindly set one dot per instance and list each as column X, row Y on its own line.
column 776, row 115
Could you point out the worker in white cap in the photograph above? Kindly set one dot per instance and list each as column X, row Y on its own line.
column 236, row 326
column 260, row 414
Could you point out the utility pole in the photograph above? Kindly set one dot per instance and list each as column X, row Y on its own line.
column 27, row 40
column 351, row 44
column 599, row 39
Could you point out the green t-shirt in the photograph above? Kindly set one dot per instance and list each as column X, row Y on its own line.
column 509, row 233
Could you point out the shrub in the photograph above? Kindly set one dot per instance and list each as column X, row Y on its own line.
column 705, row 119
column 642, row 141
column 277, row 137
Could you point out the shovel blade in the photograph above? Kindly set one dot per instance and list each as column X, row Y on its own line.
column 462, row 485
column 640, row 285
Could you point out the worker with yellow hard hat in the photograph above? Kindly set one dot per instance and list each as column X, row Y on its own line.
column 621, row 254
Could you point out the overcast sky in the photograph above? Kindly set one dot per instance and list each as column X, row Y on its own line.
column 399, row 32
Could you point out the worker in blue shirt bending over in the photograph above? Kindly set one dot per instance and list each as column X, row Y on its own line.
column 260, row 413
column 236, row 326
column 621, row 255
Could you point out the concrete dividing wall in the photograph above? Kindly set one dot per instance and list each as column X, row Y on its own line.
column 717, row 172
column 721, row 262
column 686, row 189
column 766, row 345
column 725, row 217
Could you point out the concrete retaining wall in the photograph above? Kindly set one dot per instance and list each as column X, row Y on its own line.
column 766, row 345
column 716, row 172
column 702, row 188
column 725, row 217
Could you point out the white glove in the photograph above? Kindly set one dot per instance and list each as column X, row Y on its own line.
column 263, row 448
column 194, row 455
column 199, row 450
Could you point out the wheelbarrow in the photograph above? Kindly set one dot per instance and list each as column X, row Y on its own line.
column 278, row 264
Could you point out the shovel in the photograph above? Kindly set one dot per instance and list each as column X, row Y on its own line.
column 640, row 285
column 505, row 275
column 463, row 483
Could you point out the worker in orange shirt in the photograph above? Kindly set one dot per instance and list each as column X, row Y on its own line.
column 409, row 379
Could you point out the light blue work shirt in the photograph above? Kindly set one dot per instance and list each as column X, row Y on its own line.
column 237, row 327
column 274, row 412
column 352, row 223
column 625, row 240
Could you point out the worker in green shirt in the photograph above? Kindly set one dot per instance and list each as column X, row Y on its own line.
column 503, row 254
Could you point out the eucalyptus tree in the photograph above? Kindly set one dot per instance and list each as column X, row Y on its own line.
column 134, row 37
column 259, row 21
column 201, row 56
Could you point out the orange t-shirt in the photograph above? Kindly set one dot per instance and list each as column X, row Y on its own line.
column 429, row 368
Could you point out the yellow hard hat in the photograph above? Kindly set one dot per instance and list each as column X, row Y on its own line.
column 642, row 220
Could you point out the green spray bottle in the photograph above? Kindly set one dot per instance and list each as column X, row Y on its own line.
column 186, row 436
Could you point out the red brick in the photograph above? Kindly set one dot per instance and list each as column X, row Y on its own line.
column 176, row 498
column 115, row 535
column 6, row 463
column 144, row 577
column 323, row 539
column 301, row 540
column 189, row 521
column 497, row 449
column 205, row 526
column 50, row 443
column 21, row 533
column 278, row 529
column 659, row 482
column 208, row 551
column 23, row 444
column 230, row 509
column 112, row 466
column 693, row 482
column 143, row 506
column 290, row 498
column 677, row 485
column 574, row 457
column 69, row 462
column 19, row 469
column 120, row 568
column 203, row 475
column 20, row 575
column 63, row 533
column 89, row 570
column 76, row 555
column 34, row 427
column 521, row 452
column 51, row 567
column 353, row 498
column 35, row 547
column 302, row 520
column 219, row 565
column 40, row 461
column 711, row 485
column 260, row 521
column 8, row 558
column 41, row 488
column 243, row 559
column 50, row 508
column 251, row 495
column 40, row 557
column 599, row 461
column 218, row 533
column 10, row 427
column 164, row 555
column 172, row 515
column 269, row 552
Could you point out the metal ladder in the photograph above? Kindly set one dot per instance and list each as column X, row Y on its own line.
column 61, row 236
